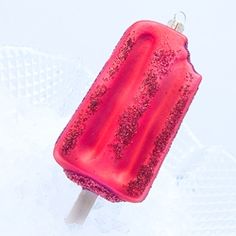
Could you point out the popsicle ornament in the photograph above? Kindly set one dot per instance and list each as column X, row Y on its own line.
column 120, row 134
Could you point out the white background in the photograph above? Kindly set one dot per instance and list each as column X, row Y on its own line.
column 89, row 30
column 195, row 190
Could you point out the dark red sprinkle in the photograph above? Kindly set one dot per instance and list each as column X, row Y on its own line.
column 128, row 121
column 92, row 185
column 95, row 99
column 78, row 127
column 137, row 186
column 122, row 55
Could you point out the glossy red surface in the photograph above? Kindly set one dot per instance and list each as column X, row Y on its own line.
column 118, row 137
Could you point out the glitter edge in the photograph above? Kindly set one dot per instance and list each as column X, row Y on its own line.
column 90, row 184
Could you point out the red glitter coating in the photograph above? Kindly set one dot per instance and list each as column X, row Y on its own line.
column 124, row 51
column 79, row 124
column 119, row 136
column 163, row 60
column 95, row 98
column 122, row 55
column 161, row 63
column 136, row 187
column 88, row 183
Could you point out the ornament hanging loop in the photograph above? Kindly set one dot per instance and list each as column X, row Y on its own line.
column 177, row 23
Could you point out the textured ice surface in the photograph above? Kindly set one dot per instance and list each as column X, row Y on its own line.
column 42, row 79
column 194, row 193
column 209, row 193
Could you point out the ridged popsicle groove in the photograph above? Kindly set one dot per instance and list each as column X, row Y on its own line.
column 129, row 120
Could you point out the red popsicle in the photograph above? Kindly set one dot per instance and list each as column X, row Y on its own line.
column 120, row 134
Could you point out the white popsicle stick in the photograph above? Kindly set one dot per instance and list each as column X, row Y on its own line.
column 82, row 207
